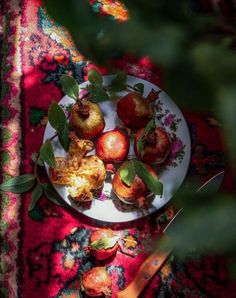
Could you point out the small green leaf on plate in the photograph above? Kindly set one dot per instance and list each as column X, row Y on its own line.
column 119, row 82
column 97, row 93
column 141, row 140
column 149, row 126
column 56, row 117
column 140, row 145
column 35, row 196
column 64, row 137
column 52, row 195
column 69, row 86
column 94, row 77
column 104, row 243
column 47, row 155
column 127, row 172
column 139, row 87
column 18, row 184
column 152, row 182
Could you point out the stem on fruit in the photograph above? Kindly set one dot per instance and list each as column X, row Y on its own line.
column 84, row 109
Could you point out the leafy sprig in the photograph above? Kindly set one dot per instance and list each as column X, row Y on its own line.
column 104, row 243
column 141, row 140
column 134, row 167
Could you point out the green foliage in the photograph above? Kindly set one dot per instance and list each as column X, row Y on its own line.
column 56, row 117
column 210, row 224
column 152, row 182
column 52, row 195
column 94, row 77
column 36, row 115
column 47, row 155
column 119, row 82
column 134, row 167
column 35, row 196
column 69, row 86
column 141, row 140
column 104, row 243
column 127, row 172
column 97, row 93
column 18, row 184
column 58, row 121
column 64, row 137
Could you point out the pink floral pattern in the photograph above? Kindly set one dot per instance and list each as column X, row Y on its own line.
column 170, row 122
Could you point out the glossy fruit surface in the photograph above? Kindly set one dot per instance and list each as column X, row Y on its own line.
column 134, row 110
column 96, row 282
column 133, row 193
column 103, row 234
column 86, row 119
column 156, row 147
column 112, row 146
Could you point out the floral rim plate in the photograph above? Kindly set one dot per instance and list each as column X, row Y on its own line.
column 105, row 206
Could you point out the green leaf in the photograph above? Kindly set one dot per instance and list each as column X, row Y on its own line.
column 64, row 137
column 140, row 145
column 36, row 115
column 104, row 243
column 97, row 93
column 94, row 77
column 35, row 195
column 40, row 162
column 127, row 173
column 52, row 195
column 141, row 142
column 149, row 126
column 119, row 82
column 139, row 87
column 47, row 155
column 152, row 182
column 56, row 117
column 18, row 184
column 69, row 86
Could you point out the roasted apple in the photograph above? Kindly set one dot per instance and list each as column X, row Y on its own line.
column 136, row 192
column 156, row 145
column 86, row 119
column 96, row 282
column 103, row 243
column 135, row 110
column 112, row 146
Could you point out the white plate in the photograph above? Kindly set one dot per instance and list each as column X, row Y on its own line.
column 107, row 207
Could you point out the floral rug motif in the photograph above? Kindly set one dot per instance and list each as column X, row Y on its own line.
column 42, row 251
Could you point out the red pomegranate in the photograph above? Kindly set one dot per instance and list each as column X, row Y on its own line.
column 136, row 192
column 135, row 110
column 97, row 237
column 96, row 282
column 156, row 145
column 112, row 146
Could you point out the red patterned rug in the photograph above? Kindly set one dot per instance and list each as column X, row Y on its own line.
column 42, row 251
